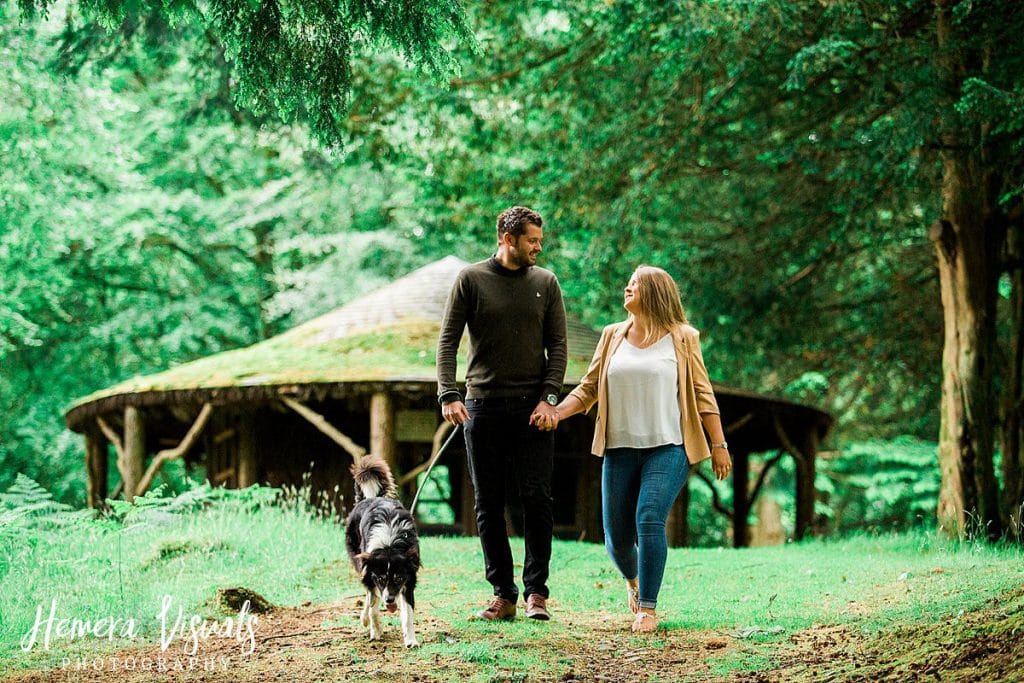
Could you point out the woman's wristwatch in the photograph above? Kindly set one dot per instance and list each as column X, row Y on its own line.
column 724, row 445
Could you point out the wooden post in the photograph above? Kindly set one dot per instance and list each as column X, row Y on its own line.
column 677, row 528
column 740, row 499
column 382, row 429
column 96, row 468
column 248, row 472
column 595, row 520
column 805, row 474
column 134, row 451
column 588, row 498
column 595, row 524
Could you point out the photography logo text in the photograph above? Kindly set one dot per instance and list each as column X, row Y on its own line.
column 189, row 631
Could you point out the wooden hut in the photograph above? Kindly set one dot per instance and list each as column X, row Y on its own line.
column 297, row 407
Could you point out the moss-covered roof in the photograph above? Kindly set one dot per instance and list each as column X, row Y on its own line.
column 404, row 352
column 389, row 335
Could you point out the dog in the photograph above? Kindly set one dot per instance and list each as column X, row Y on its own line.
column 383, row 545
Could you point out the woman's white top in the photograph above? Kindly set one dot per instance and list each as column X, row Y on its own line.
column 643, row 396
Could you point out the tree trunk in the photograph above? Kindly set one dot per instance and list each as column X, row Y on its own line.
column 969, row 492
column 1013, row 394
column 263, row 260
column 967, row 244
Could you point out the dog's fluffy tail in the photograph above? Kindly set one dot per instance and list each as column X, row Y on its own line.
column 373, row 478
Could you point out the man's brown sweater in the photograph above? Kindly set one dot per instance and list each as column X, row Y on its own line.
column 517, row 342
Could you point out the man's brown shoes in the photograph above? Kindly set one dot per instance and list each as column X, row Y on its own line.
column 537, row 607
column 500, row 609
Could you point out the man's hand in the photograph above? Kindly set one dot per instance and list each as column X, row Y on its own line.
column 455, row 412
column 544, row 417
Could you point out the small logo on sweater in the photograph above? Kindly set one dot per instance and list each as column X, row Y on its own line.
column 538, row 295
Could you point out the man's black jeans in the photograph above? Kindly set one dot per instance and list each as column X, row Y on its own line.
column 504, row 450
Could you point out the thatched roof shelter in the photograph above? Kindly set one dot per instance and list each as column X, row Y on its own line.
column 363, row 376
column 387, row 337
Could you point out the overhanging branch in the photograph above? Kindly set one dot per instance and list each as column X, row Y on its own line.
column 716, row 500
column 511, row 73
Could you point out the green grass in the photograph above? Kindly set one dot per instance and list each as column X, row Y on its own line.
column 95, row 569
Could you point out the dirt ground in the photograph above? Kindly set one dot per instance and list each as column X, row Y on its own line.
column 982, row 646
column 325, row 643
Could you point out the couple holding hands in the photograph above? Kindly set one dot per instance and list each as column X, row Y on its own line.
column 654, row 404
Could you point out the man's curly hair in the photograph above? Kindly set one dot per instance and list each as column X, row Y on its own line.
column 514, row 220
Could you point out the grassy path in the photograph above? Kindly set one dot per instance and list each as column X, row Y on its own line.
column 886, row 608
column 324, row 643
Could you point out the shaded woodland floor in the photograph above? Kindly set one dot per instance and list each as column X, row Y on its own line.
column 315, row 643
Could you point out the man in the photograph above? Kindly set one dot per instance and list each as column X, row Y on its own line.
column 517, row 358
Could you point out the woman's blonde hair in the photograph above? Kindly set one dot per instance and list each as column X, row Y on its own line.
column 659, row 302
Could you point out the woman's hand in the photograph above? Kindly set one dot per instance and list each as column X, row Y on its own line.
column 549, row 421
column 721, row 462
column 544, row 417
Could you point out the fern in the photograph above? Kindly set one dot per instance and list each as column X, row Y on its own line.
column 11, row 517
column 28, row 497
column 28, row 506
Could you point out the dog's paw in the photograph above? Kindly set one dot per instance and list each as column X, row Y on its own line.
column 411, row 642
column 375, row 629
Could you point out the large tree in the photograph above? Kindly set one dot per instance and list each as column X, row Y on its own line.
column 950, row 75
column 979, row 58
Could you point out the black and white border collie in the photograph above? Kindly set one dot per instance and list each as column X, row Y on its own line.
column 382, row 543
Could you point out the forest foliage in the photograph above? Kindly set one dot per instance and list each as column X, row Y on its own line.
column 186, row 186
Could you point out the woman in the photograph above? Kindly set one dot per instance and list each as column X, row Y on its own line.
column 653, row 392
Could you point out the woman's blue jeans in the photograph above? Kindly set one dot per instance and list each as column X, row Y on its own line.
column 638, row 488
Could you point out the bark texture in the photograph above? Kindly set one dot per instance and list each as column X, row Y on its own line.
column 968, row 244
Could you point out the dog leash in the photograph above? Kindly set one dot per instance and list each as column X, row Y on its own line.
column 433, row 461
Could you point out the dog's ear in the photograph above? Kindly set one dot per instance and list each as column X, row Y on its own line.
column 413, row 555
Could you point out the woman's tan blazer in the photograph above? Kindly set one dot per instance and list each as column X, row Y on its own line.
column 695, row 393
